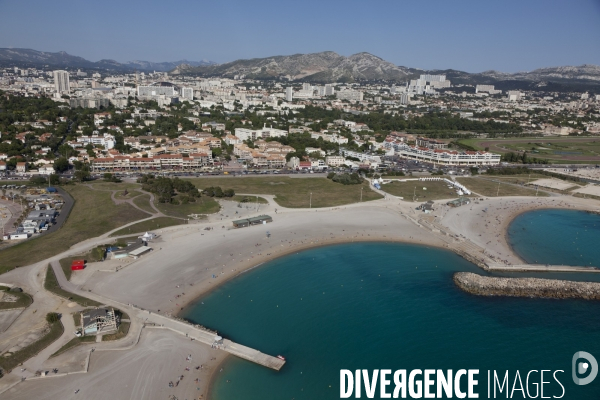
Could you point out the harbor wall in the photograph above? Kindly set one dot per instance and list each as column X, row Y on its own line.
column 526, row 287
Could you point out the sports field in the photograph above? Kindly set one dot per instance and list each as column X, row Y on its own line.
column 559, row 150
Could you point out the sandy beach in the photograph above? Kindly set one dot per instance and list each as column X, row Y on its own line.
column 188, row 261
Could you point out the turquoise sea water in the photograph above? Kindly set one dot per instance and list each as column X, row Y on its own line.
column 566, row 237
column 380, row 305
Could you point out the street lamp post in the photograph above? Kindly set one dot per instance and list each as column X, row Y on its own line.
column 361, row 192
column 498, row 191
column 310, row 201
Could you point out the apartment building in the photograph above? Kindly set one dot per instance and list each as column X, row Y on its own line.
column 253, row 134
column 442, row 156
column 164, row 162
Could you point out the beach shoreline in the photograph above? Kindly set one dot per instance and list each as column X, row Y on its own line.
column 374, row 238
column 300, row 248
column 213, row 375
column 190, row 261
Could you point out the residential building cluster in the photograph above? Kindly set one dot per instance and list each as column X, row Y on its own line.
column 156, row 121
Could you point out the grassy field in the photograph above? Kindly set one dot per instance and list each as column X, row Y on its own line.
column 160, row 222
column 76, row 341
column 23, row 300
column 293, row 192
column 121, row 332
column 204, row 205
column 248, row 199
column 120, row 186
column 571, row 150
column 51, row 284
column 434, row 191
column 93, row 214
column 96, row 254
column 143, row 202
column 10, row 362
column 488, row 186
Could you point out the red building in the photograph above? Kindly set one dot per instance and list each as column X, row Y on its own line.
column 77, row 265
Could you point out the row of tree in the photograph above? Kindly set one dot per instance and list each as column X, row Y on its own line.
column 522, row 158
column 166, row 188
column 216, row 191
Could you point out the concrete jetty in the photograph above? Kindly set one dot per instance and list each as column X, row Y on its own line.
column 539, row 268
column 193, row 332
column 526, row 287
column 210, row 338
column 255, row 356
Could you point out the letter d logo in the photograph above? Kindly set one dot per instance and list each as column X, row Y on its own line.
column 583, row 367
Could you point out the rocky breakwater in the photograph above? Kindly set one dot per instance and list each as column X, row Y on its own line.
column 526, row 287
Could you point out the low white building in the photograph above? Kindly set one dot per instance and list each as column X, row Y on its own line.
column 107, row 140
column 253, row 134
column 311, row 150
column 361, row 156
column 335, row 161
column 231, row 140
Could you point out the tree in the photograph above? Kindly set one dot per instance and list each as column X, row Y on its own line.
column 82, row 175
column 111, row 178
column 61, row 164
column 52, row 317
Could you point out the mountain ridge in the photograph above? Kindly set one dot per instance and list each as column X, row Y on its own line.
column 328, row 67
column 321, row 67
column 62, row 59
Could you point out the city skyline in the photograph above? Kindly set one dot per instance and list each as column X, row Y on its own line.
column 511, row 36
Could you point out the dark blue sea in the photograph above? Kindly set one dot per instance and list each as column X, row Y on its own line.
column 395, row 306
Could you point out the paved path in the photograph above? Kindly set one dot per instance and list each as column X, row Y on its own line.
column 192, row 331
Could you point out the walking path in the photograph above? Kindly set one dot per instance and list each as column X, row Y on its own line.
column 193, row 332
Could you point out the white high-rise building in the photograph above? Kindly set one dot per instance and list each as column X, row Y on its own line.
column 350, row 95
column 404, row 98
column 187, row 93
column 149, row 91
column 289, row 93
column 329, row 90
column 433, row 78
column 61, row 81
column 306, row 86
column 514, row 95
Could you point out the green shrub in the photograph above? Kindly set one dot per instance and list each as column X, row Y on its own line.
column 347, row 179
column 52, row 317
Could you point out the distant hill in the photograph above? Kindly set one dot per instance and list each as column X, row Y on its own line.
column 324, row 67
column 24, row 58
column 329, row 67
column 316, row 67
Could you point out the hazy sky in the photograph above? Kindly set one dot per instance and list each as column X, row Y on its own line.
column 469, row 35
